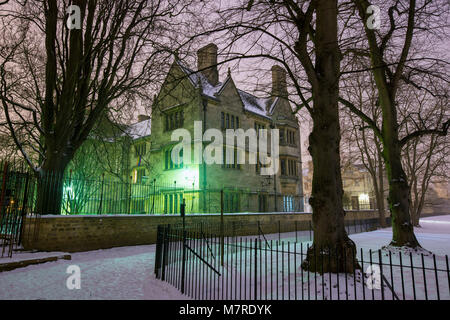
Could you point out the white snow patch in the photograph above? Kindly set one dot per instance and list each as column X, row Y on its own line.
column 139, row 130
column 28, row 255
column 435, row 221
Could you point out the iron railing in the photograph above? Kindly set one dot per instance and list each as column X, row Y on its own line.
column 266, row 269
column 17, row 188
column 112, row 195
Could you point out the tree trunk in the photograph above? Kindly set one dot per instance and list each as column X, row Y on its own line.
column 415, row 219
column 332, row 249
column 380, row 193
column 381, row 213
column 50, row 186
column 380, row 200
column 398, row 199
column 399, row 196
column 417, row 213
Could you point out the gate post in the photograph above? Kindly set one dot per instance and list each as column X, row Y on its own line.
column 183, row 266
column 222, row 240
column 256, row 269
column 158, row 251
column 165, row 251
column 24, row 205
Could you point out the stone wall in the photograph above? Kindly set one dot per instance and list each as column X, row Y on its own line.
column 83, row 233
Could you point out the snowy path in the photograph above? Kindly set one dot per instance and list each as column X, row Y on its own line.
column 127, row 272
column 118, row 273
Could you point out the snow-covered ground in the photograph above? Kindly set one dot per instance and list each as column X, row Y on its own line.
column 117, row 273
column 127, row 272
column 433, row 235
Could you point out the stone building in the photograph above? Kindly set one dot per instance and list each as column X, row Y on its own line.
column 437, row 199
column 188, row 96
column 151, row 182
column 358, row 188
column 357, row 183
column 107, row 170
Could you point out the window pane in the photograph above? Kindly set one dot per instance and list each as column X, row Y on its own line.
column 165, row 203
column 181, row 157
column 166, row 160
column 175, row 207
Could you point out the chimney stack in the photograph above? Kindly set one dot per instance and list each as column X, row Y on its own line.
column 279, row 86
column 207, row 63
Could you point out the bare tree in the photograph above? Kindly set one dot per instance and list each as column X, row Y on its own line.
column 57, row 78
column 303, row 38
column 360, row 144
column 392, row 63
column 424, row 158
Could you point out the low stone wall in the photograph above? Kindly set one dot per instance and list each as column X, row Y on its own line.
column 83, row 233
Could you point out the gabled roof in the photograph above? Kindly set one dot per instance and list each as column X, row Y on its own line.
column 253, row 104
column 107, row 130
column 196, row 77
column 139, row 130
column 273, row 105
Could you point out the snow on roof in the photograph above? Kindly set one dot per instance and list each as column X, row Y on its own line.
column 139, row 130
column 274, row 103
column 254, row 104
column 251, row 103
column 195, row 77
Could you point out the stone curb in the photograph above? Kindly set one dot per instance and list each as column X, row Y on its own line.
column 20, row 264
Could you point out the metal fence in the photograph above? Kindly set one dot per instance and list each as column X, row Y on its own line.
column 108, row 195
column 156, row 197
column 207, row 266
column 293, row 231
column 17, row 187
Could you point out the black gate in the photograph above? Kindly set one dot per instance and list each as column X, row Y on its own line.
column 17, row 187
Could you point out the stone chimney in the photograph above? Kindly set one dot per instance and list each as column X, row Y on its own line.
column 142, row 117
column 207, row 63
column 279, row 86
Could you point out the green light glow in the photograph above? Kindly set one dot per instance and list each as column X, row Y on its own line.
column 67, row 191
column 190, row 176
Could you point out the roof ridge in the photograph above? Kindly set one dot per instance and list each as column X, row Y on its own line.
column 252, row 103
